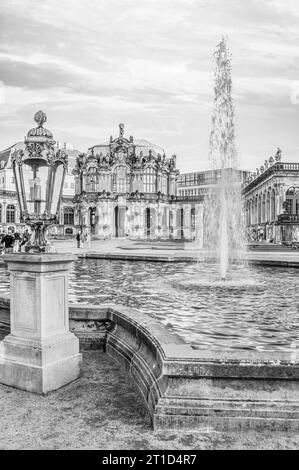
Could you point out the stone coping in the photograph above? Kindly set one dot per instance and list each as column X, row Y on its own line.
column 173, row 348
column 169, row 344
column 141, row 257
column 38, row 257
column 38, row 262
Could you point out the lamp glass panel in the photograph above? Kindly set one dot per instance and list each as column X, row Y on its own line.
column 17, row 175
column 35, row 175
column 57, row 182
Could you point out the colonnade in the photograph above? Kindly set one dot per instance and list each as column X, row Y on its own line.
column 262, row 208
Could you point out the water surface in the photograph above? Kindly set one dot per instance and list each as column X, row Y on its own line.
column 256, row 309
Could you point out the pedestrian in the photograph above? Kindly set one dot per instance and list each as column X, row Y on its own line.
column 8, row 241
column 2, row 235
column 18, row 239
column 78, row 238
column 88, row 239
column 83, row 239
column 25, row 238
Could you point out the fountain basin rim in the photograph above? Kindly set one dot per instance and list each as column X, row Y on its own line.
column 170, row 346
column 185, row 388
column 187, row 258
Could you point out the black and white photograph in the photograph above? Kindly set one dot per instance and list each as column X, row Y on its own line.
column 149, row 227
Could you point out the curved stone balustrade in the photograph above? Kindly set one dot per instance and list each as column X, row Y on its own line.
column 187, row 388
column 4, row 316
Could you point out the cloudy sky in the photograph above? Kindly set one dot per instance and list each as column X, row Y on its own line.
column 148, row 63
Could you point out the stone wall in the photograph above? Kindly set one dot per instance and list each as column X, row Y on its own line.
column 90, row 324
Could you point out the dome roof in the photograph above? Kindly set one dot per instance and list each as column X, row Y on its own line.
column 141, row 145
column 144, row 146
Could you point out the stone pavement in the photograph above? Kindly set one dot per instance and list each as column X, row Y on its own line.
column 166, row 251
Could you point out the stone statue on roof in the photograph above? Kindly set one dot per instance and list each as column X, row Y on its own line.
column 278, row 155
column 121, row 130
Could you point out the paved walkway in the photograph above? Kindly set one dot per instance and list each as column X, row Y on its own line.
column 166, row 251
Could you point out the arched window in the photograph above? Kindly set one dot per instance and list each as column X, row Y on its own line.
column 180, row 217
column 149, row 181
column 263, row 208
column 11, row 214
column 92, row 180
column 0, row 213
column 68, row 216
column 164, row 217
column 164, row 184
column 292, row 201
column 192, row 218
column 272, row 204
column 267, row 219
column 259, row 210
column 121, row 179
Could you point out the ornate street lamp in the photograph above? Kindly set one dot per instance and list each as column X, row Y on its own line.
column 39, row 173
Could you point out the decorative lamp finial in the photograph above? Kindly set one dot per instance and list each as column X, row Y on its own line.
column 40, row 132
column 40, row 118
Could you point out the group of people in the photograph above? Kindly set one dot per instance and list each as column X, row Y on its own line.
column 83, row 237
column 13, row 241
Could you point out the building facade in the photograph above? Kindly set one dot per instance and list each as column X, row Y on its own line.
column 198, row 184
column 271, row 198
column 128, row 187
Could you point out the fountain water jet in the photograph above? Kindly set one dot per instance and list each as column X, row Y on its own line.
column 224, row 224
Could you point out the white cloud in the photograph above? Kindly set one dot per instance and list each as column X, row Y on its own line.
column 2, row 93
column 149, row 64
column 290, row 6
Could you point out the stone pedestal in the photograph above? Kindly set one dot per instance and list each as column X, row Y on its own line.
column 40, row 354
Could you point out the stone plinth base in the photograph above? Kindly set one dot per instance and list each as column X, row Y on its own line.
column 39, row 366
column 40, row 354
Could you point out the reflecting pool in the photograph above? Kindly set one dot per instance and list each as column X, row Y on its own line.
column 255, row 309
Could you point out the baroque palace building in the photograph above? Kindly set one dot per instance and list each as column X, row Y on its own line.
column 271, row 198
column 128, row 187
column 123, row 187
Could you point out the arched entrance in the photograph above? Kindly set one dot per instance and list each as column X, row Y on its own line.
column 92, row 220
column 148, row 222
column 180, row 222
column 150, row 219
column 120, row 221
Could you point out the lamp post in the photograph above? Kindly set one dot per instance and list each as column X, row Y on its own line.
column 39, row 173
column 40, row 354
